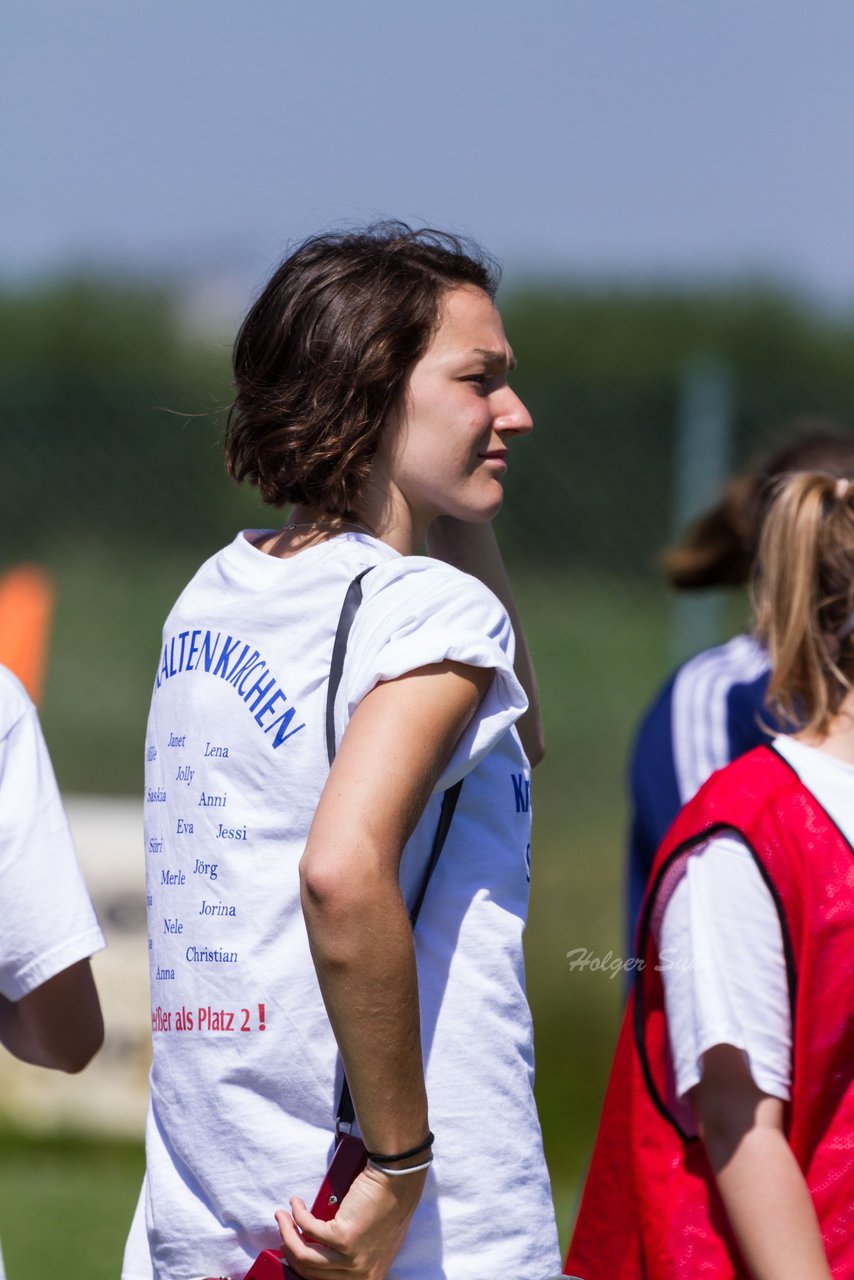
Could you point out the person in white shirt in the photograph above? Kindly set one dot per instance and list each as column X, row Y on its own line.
column 372, row 393
column 50, row 1014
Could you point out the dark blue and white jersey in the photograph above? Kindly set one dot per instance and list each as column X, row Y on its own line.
column 708, row 713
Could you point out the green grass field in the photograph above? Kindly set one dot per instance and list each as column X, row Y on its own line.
column 65, row 1205
column 601, row 648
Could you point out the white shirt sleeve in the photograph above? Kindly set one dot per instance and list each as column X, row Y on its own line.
column 724, row 969
column 416, row 612
column 48, row 920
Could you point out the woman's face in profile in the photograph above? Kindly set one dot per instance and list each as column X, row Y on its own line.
column 447, row 452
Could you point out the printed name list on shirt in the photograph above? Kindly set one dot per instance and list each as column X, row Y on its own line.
column 192, row 884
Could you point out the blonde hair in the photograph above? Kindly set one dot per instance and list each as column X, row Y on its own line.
column 803, row 595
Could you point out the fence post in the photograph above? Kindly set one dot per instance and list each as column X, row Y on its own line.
column 701, row 466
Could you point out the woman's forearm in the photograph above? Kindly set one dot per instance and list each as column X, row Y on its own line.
column 770, row 1209
column 763, row 1189
column 474, row 549
column 361, row 943
column 357, row 922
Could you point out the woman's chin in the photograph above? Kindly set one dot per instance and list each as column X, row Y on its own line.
column 486, row 508
column 467, row 516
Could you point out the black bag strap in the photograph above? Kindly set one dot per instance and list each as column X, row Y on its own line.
column 349, row 609
column 345, row 1114
column 446, row 813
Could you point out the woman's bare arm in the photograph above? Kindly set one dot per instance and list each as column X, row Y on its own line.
column 474, row 549
column 763, row 1189
column 392, row 753
column 59, row 1024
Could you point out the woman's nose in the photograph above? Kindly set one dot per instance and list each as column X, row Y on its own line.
column 513, row 416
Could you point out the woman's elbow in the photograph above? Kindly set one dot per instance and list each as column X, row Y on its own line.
column 63, row 1019
column 316, row 888
column 73, row 1057
column 71, row 1046
column 534, row 741
column 329, row 893
column 341, row 893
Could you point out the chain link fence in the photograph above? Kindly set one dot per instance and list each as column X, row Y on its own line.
column 111, row 445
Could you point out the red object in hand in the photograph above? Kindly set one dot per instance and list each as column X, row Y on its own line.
column 270, row 1265
column 347, row 1163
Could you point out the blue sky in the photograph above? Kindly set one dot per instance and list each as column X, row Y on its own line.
column 601, row 138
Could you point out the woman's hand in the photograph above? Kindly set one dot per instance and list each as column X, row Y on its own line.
column 362, row 1241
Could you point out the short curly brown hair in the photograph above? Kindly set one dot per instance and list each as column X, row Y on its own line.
column 321, row 360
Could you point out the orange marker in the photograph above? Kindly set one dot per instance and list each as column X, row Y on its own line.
column 26, row 610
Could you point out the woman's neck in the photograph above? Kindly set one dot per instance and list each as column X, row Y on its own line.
column 838, row 740
column 306, row 526
column 392, row 519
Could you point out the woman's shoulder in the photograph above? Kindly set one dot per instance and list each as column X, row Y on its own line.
column 422, row 582
column 417, row 612
column 418, row 595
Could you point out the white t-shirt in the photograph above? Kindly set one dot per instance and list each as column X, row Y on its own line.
column 48, row 919
column 721, row 946
column 245, row 1074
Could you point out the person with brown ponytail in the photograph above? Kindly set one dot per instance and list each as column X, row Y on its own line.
column 709, row 711
column 725, row 1145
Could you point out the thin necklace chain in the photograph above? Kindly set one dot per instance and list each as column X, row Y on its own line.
column 328, row 524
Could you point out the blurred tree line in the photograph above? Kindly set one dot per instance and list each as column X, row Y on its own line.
column 111, row 416
column 602, row 371
column 113, row 413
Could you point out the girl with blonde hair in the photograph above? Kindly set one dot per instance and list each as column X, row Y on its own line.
column 725, row 1144
column 709, row 710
